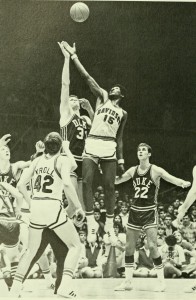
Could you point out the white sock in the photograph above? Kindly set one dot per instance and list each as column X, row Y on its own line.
column 109, row 222
column 90, row 219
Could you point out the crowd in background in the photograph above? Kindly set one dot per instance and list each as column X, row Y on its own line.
column 177, row 245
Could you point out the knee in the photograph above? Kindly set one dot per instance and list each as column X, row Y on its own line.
column 152, row 246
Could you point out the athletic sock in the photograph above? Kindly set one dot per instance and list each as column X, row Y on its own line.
column 90, row 217
column 8, row 279
column 14, row 266
column 129, row 264
column 159, row 268
column 109, row 221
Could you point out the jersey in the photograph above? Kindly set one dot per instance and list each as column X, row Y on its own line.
column 75, row 132
column 106, row 122
column 46, row 181
column 6, row 199
column 145, row 189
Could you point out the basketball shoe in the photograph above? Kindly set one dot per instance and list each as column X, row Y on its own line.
column 124, row 286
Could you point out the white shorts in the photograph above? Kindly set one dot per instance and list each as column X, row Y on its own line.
column 100, row 149
column 47, row 213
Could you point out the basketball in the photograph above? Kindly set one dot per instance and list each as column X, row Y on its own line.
column 79, row 12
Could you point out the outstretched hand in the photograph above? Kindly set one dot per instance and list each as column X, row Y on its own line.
column 185, row 184
column 5, row 140
column 71, row 50
column 64, row 51
column 85, row 104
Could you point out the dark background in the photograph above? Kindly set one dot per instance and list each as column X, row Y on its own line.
column 149, row 47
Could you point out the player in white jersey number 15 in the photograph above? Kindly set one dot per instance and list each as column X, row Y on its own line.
column 103, row 146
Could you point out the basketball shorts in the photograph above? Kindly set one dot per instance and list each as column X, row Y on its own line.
column 142, row 217
column 47, row 213
column 98, row 149
column 25, row 216
column 9, row 232
column 78, row 171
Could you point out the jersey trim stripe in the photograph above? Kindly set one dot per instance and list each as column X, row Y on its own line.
column 144, row 208
column 45, row 198
column 101, row 137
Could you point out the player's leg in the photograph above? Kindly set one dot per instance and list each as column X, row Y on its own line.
column 151, row 233
column 68, row 234
column 89, row 167
column 44, row 266
column 109, row 174
column 60, row 252
column 34, row 242
column 131, row 241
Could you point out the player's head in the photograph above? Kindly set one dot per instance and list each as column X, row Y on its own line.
column 4, row 153
column 171, row 240
column 117, row 91
column 53, row 143
column 74, row 102
column 144, row 151
column 178, row 236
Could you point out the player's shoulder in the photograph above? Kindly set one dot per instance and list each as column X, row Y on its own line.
column 131, row 170
column 156, row 168
column 87, row 119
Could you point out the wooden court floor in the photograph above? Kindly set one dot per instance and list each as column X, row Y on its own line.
column 104, row 289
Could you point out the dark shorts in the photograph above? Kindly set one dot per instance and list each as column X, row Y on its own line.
column 9, row 232
column 142, row 218
column 78, row 172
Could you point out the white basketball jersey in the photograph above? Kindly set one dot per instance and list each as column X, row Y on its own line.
column 46, row 181
column 106, row 121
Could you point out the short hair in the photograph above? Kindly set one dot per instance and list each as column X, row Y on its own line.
column 71, row 96
column 171, row 240
column 145, row 145
column 53, row 143
column 122, row 89
column 97, row 210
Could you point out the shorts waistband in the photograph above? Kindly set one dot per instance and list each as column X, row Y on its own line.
column 98, row 137
column 144, row 208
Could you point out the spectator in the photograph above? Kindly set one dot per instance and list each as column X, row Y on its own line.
column 176, row 203
column 169, row 228
column 161, row 217
column 118, row 220
column 124, row 214
column 170, row 211
column 189, row 268
column 193, row 213
column 144, row 261
column 97, row 205
column 119, row 247
column 173, row 257
column 83, row 261
column 188, row 230
column 102, row 211
column 100, row 189
column 175, row 212
column 93, row 255
column 160, row 235
column 97, row 216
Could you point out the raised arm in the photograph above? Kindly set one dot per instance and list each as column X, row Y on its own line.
column 85, row 104
column 119, row 140
column 66, row 150
column 160, row 172
column 97, row 91
column 65, row 107
column 190, row 198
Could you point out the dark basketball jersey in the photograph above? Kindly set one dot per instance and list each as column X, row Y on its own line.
column 145, row 189
column 75, row 132
column 6, row 199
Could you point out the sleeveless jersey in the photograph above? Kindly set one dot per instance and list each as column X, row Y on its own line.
column 106, row 121
column 145, row 189
column 75, row 132
column 6, row 199
column 46, row 181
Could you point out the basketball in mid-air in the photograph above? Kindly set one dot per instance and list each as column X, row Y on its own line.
column 79, row 12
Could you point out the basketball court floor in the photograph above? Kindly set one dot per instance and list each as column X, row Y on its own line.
column 104, row 289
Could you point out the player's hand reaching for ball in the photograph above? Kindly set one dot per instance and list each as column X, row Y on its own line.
column 71, row 50
column 185, row 184
column 64, row 51
column 5, row 140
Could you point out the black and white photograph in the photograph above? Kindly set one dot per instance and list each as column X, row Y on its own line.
column 97, row 149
